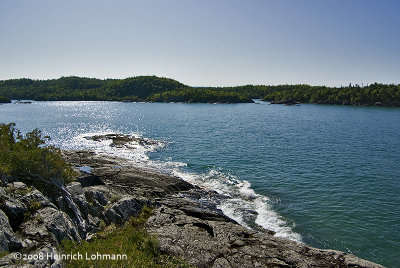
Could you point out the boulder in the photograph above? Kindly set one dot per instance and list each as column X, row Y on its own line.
column 100, row 194
column 8, row 239
column 36, row 196
column 15, row 211
column 50, row 225
column 122, row 210
column 18, row 200
column 285, row 101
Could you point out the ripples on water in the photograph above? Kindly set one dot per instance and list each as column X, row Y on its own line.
column 324, row 175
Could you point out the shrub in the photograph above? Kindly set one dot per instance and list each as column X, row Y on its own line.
column 28, row 158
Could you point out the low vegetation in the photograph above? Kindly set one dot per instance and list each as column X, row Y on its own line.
column 140, row 248
column 4, row 100
column 27, row 158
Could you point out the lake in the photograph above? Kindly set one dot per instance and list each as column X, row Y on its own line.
column 325, row 175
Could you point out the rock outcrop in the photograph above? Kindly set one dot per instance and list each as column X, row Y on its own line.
column 219, row 243
column 8, row 239
column 112, row 190
column 286, row 102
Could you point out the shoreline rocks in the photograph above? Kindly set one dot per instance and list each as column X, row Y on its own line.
column 114, row 190
column 286, row 102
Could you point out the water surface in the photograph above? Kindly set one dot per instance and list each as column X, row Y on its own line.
column 324, row 175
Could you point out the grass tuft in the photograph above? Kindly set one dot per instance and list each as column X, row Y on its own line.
column 141, row 249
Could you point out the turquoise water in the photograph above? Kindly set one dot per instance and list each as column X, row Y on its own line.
column 324, row 175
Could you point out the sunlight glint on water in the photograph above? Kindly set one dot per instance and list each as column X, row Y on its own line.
column 325, row 175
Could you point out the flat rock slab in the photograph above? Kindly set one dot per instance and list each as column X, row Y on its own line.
column 210, row 243
column 195, row 230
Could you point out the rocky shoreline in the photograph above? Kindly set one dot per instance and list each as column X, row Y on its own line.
column 111, row 190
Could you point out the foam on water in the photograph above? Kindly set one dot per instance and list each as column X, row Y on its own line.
column 240, row 201
column 133, row 151
column 243, row 203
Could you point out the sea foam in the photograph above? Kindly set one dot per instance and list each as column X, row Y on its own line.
column 240, row 202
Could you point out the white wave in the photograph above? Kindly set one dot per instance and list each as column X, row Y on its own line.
column 242, row 203
column 133, row 151
column 242, row 200
column 269, row 219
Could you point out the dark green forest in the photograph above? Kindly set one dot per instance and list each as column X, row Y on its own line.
column 200, row 95
column 374, row 94
column 4, row 100
column 81, row 88
column 157, row 89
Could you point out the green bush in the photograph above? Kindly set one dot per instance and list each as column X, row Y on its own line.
column 28, row 159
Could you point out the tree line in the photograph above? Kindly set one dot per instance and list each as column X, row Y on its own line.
column 4, row 100
column 82, row 88
column 159, row 89
column 374, row 94
column 201, row 95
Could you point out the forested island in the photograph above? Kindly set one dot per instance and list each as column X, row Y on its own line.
column 157, row 89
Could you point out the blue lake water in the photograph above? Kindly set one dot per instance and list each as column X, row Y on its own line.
column 325, row 175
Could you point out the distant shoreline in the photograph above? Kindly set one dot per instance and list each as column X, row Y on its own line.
column 282, row 102
column 160, row 89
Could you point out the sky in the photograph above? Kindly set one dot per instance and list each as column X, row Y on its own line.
column 203, row 42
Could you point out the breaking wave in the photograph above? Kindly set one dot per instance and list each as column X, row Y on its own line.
column 240, row 202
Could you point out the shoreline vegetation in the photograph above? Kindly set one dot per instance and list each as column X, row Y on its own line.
column 85, row 204
column 159, row 89
column 4, row 100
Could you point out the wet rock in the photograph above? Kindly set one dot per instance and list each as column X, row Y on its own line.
column 201, row 210
column 286, row 102
column 186, row 220
column 188, row 224
column 120, row 140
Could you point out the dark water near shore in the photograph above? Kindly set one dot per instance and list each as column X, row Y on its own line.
column 325, row 175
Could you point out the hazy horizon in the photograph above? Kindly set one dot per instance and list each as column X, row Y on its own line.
column 195, row 86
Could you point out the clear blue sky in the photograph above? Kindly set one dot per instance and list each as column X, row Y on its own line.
column 203, row 42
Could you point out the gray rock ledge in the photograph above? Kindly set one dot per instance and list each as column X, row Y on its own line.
column 186, row 226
